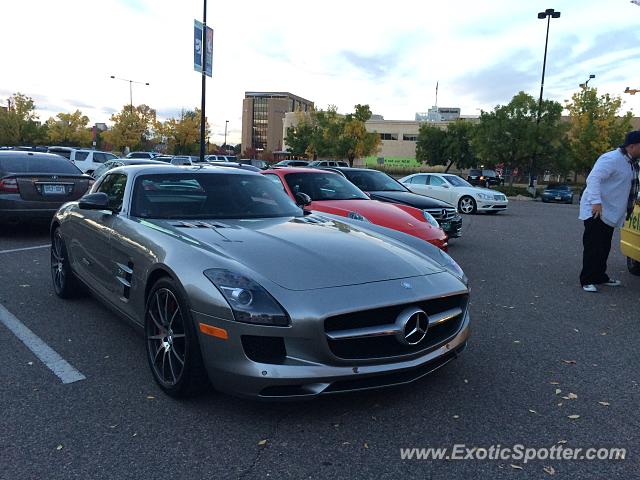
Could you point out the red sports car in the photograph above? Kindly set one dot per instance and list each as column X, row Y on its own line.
column 332, row 193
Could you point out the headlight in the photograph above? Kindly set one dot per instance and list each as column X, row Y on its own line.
column 484, row 196
column 430, row 219
column 357, row 216
column 249, row 302
column 453, row 268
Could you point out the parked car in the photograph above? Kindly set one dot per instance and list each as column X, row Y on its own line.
column 292, row 163
column 380, row 186
column 456, row 191
column 85, row 160
column 122, row 162
column 330, row 192
column 484, row 178
column 233, row 284
column 178, row 159
column 328, row 163
column 34, row 185
column 216, row 158
column 630, row 241
column 147, row 155
column 261, row 164
column 557, row 192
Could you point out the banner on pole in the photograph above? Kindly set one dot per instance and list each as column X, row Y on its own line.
column 208, row 62
column 197, row 45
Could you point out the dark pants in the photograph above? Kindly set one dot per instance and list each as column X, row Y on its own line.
column 597, row 245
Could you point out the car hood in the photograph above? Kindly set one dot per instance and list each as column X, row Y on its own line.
column 409, row 198
column 380, row 213
column 303, row 253
column 557, row 192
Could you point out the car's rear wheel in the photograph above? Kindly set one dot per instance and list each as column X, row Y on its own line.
column 467, row 205
column 172, row 344
column 65, row 283
column 633, row 266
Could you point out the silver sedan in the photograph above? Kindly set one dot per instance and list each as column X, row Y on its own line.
column 235, row 286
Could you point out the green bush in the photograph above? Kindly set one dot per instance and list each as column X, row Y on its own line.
column 514, row 191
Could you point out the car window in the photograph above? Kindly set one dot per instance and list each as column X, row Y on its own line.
column 113, row 185
column 324, row 186
column 99, row 157
column 374, row 181
column 275, row 179
column 419, row 179
column 62, row 152
column 33, row 164
column 105, row 167
column 457, row 181
column 111, row 156
column 489, row 173
column 436, row 181
column 80, row 156
column 474, row 172
column 208, row 195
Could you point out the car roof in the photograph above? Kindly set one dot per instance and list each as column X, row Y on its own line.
column 138, row 161
column 298, row 170
column 163, row 168
column 27, row 154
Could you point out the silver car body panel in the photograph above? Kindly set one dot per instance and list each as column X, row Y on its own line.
column 316, row 267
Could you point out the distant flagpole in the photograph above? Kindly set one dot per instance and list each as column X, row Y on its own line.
column 437, row 93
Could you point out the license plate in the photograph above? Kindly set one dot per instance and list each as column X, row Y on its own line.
column 558, row 198
column 54, row 189
column 445, row 225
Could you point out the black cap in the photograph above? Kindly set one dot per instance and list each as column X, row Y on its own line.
column 631, row 138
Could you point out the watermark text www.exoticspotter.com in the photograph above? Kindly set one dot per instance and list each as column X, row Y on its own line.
column 517, row 452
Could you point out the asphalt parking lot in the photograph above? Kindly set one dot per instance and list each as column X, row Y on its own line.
column 534, row 332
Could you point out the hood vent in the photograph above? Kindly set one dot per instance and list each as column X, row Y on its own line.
column 183, row 224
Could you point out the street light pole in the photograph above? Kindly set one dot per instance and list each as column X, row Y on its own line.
column 586, row 84
column 549, row 13
column 226, row 122
column 131, row 82
column 204, row 77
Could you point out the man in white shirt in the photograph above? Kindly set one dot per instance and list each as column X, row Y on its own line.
column 612, row 187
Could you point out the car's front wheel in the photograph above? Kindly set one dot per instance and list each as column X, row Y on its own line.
column 65, row 283
column 467, row 205
column 172, row 344
column 633, row 266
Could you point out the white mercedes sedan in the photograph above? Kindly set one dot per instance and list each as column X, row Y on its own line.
column 453, row 189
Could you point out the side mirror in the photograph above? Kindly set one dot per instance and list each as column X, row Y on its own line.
column 94, row 201
column 302, row 199
column 445, row 185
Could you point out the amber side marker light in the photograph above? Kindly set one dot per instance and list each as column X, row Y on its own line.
column 214, row 331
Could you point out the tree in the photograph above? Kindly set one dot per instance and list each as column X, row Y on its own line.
column 431, row 145
column 300, row 137
column 327, row 134
column 354, row 140
column 69, row 129
column 19, row 123
column 458, row 147
column 594, row 126
column 183, row 134
column 509, row 135
column 135, row 128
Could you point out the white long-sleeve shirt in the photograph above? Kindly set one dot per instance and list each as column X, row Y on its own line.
column 608, row 184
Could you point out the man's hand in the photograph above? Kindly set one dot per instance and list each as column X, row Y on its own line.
column 596, row 210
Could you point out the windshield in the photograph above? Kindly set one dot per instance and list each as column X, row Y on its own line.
column 210, row 195
column 456, row 181
column 557, row 187
column 324, row 186
column 374, row 181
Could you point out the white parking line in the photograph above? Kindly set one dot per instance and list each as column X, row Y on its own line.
column 58, row 365
column 24, row 248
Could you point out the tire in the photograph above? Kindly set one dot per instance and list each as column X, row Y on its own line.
column 171, row 342
column 467, row 205
column 65, row 283
column 633, row 266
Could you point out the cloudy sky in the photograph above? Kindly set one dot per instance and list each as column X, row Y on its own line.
column 386, row 54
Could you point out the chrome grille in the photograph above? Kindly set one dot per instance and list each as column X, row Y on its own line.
column 373, row 334
column 442, row 213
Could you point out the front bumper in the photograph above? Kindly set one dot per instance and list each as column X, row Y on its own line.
column 309, row 368
column 453, row 227
column 491, row 205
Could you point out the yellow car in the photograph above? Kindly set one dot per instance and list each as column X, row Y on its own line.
column 630, row 241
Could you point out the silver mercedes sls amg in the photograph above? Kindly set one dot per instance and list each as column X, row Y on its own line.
column 236, row 286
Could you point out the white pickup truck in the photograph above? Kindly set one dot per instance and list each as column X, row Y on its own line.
column 85, row 159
